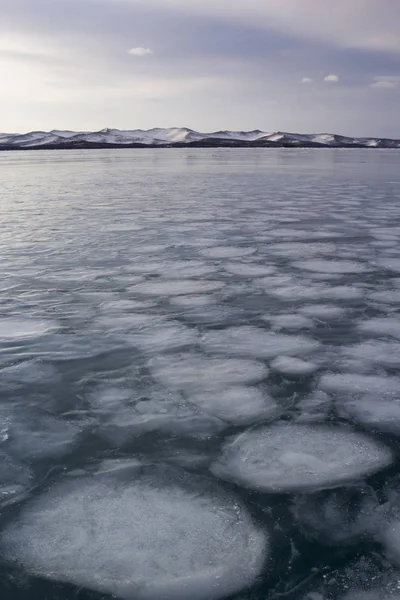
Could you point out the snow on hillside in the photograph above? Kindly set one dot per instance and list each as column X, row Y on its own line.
column 183, row 135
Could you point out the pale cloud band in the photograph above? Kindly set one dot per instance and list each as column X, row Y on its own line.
column 139, row 51
column 331, row 78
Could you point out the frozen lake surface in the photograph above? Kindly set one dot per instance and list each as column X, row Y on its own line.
column 200, row 375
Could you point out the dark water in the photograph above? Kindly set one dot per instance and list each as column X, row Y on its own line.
column 156, row 305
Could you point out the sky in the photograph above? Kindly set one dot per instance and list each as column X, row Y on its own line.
column 277, row 65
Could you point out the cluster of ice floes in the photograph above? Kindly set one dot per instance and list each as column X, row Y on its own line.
column 139, row 532
column 237, row 334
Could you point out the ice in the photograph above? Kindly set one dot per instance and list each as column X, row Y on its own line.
column 15, row 480
column 355, row 383
column 323, row 311
column 28, row 372
column 291, row 457
column 130, row 321
column 249, row 270
column 196, row 372
column 392, row 264
column 315, row 291
column 34, row 436
column 253, row 341
column 20, row 329
column 289, row 321
column 384, row 326
column 330, row 266
column 387, row 296
column 237, row 405
column 190, row 301
column 373, row 352
column 159, row 534
column 292, row 367
column 374, row 412
column 390, row 538
column 162, row 338
column 296, row 249
column 227, row 251
column 168, row 416
column 178, row 287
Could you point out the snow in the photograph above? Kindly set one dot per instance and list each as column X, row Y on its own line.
column 151, row 534
column 288, row 458
column 256, row 342
column 159, row 135
column 292, row 367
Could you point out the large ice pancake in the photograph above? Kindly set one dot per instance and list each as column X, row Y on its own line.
column 287, row 458
column 140, row 533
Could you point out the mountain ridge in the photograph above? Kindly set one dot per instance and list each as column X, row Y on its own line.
column 183, row 136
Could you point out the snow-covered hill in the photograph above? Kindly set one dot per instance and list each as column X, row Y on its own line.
column 183, row 135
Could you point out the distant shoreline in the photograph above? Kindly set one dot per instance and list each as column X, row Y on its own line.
column 198, row 144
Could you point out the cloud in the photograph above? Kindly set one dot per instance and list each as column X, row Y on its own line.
column 332, row 78
column 139, row 51
column 386, row 81
column 306, row 80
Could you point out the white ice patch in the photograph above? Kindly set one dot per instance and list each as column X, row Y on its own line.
column 152, row 536
column 128, row 322
column 227, row 251
column 385, row 326
column 374, row 412
column 373, row 352
column 296, row 249
column 197, row 372
column 162, row 338
column 249, row 270
column 392, row 264
column 292, row 367
column 167, row 416
column 323, row 311
column 191, row 301
column 237, row 405
column 178, row 287
column 387, row 296
column 292, row 322
column 330, row 266
column 252, row 341
column 354, row 383
column 13, row 329
column 289, row 458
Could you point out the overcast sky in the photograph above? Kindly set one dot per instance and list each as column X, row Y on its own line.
column 289, row 65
